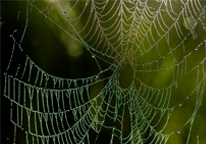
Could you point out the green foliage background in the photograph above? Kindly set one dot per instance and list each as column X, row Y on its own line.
column 59, row 54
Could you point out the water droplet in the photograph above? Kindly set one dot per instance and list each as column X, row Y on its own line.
column 65, row 13
column 157, row 60
column 15, row 31
column 205, row 40
column 143, row 64
column 180, row 104
column 164, row 56
column 97, row 76
column 178, row 64
column 67, row 18
column 93, row 56
column 187, row 97
column 196, row 49
column 179, row 131
column 46, row 16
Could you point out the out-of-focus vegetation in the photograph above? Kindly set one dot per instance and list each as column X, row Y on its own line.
column 59, row 54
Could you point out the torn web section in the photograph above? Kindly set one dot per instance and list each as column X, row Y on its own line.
column 11, row 30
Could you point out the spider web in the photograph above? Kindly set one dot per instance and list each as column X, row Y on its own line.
column 142, row 79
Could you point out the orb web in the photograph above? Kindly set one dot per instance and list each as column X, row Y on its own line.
column 141, row 78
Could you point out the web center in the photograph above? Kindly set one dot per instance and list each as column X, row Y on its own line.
column 126, row 70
